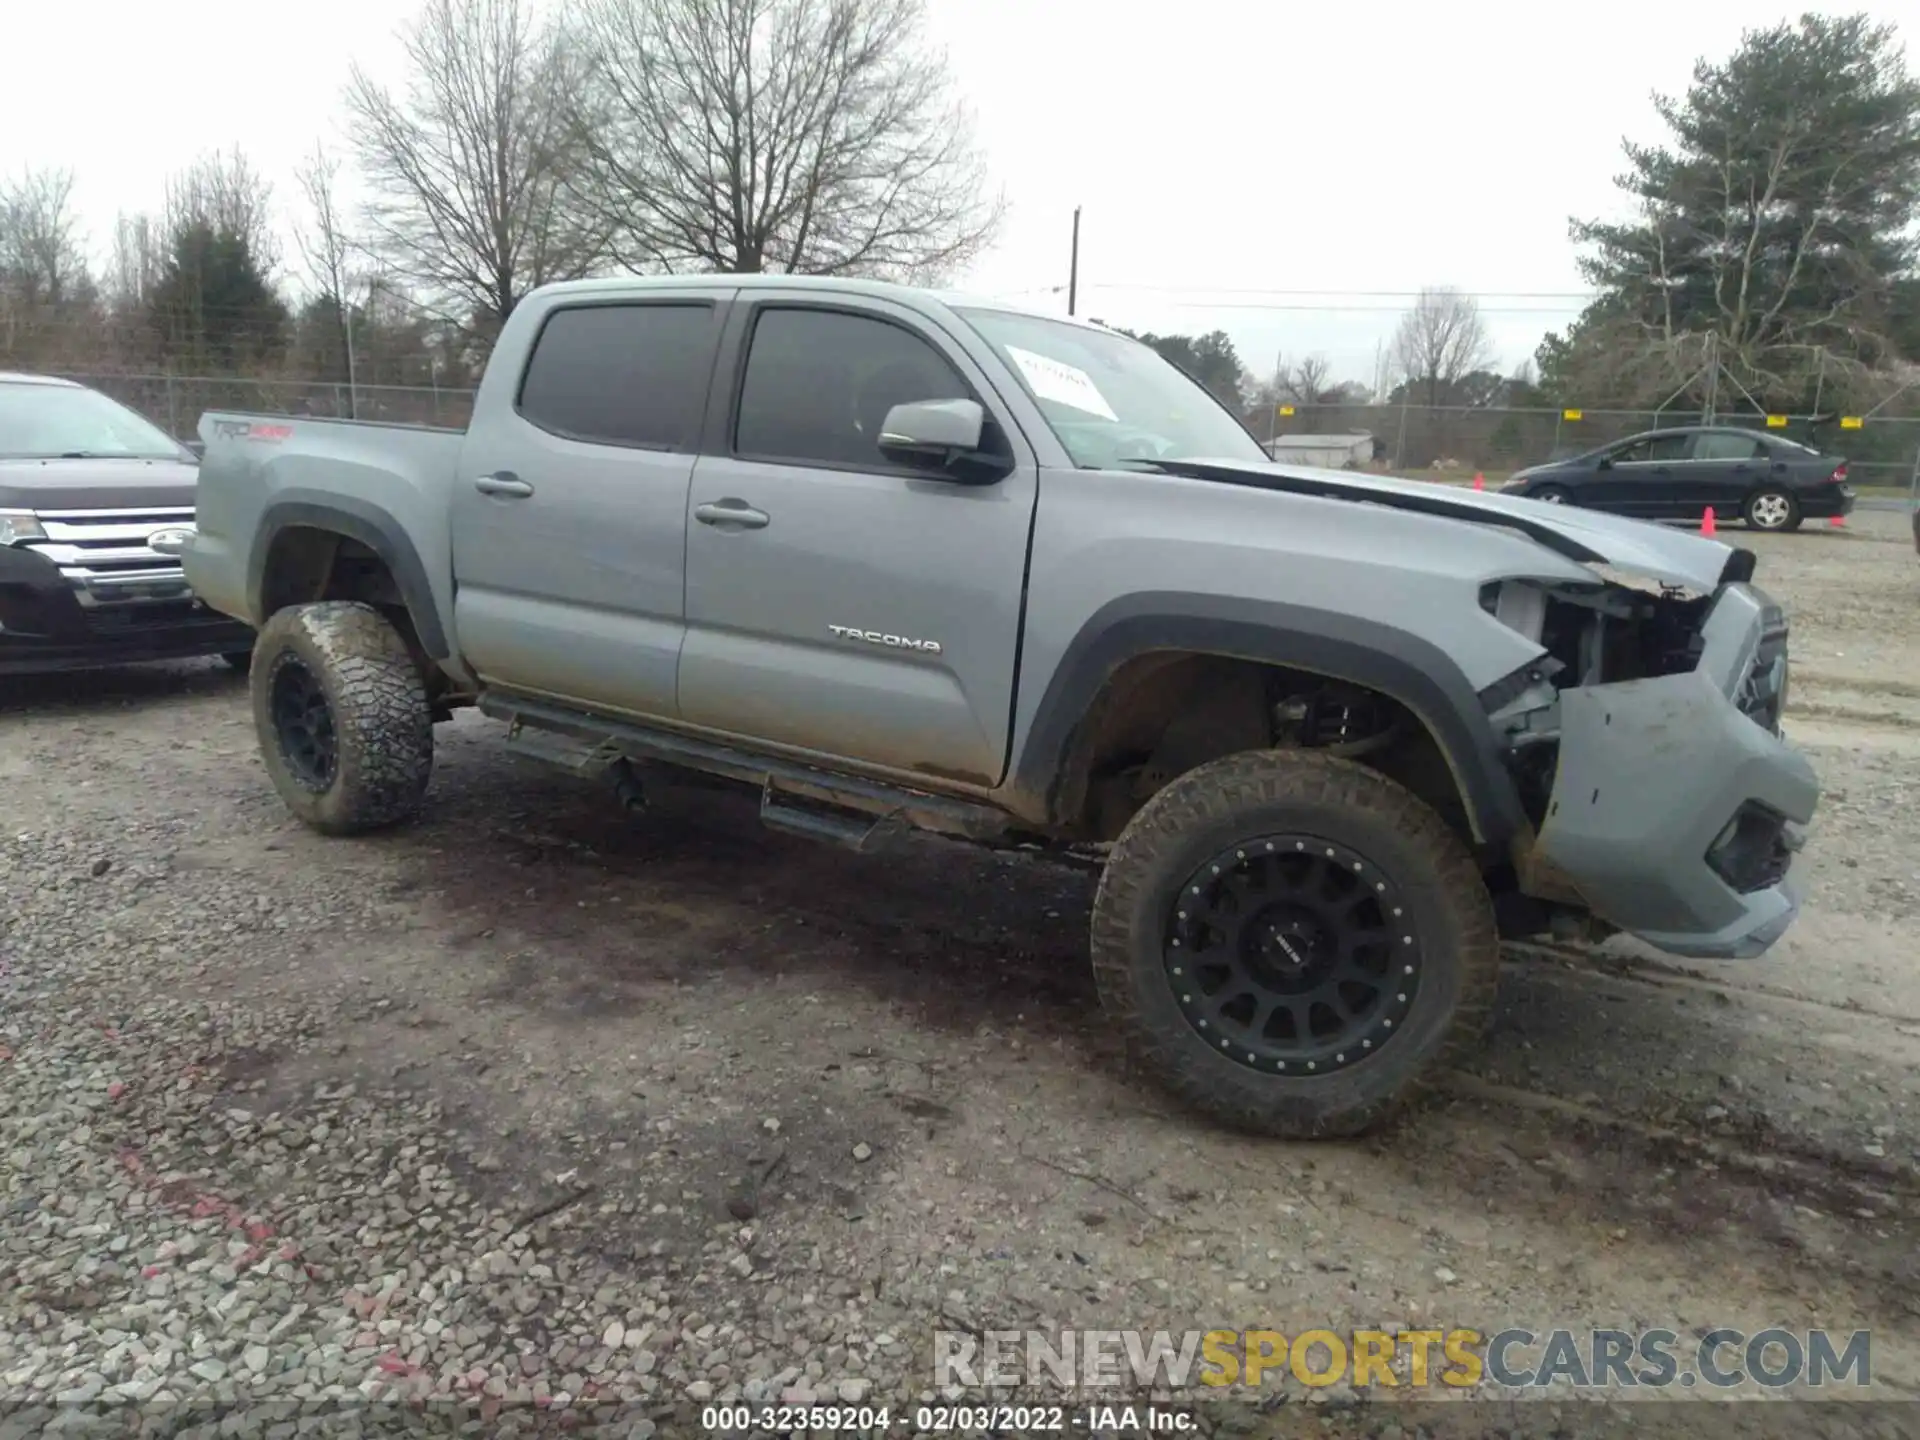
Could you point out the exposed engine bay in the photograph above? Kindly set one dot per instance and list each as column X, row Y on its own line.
column 1592, row 636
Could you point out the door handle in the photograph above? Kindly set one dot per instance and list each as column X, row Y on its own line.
column 505, row 483
column 732, row 512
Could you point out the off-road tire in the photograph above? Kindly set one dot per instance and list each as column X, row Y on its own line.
column 1215, row 807
column 381, row 721
column 1750, row 511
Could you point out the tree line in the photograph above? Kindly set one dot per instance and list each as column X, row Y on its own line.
column 820, row 137
column 1767, row 250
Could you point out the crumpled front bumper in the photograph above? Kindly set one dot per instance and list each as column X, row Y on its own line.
column 1679, row 809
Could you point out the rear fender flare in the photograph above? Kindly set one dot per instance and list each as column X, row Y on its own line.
column 1409, row 669
column 373, row 527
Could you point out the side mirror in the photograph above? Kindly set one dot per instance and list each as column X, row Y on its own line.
column 1605, row 462
column 942, row 435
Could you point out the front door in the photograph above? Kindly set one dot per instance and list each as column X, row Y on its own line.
column 569, row 514
column 837, row 603
column 1640, row 480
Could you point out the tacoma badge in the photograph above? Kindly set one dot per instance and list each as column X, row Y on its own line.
column 876, row 637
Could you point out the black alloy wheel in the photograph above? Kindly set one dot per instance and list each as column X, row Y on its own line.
column 1292, row 955
column 303, row 722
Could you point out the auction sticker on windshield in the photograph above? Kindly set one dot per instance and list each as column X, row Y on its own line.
column 1052, row 380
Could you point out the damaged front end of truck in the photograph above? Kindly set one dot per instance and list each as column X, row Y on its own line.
column 1646, row 744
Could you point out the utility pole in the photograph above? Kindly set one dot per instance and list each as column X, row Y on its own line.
column 1713, row 378
column 1073, row 267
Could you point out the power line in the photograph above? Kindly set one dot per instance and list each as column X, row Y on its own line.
column 1358, row 294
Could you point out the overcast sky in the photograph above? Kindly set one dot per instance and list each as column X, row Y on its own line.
column 1224, row 152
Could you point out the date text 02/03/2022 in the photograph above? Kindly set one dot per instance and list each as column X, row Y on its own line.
column 950, row 1419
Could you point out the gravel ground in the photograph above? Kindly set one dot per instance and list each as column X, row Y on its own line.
column 540, row 1108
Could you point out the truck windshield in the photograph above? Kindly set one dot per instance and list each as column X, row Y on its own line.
column 48, row 422
column 1112, row 401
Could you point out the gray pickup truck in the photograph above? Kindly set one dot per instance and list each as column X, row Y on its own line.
column 904, row 560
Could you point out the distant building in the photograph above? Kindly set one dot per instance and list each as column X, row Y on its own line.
column 1328, row 452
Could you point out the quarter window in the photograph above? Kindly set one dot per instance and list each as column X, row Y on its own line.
column 819, row 384
column 621, row 374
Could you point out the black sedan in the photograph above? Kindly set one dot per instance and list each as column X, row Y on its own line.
column 1770, row 482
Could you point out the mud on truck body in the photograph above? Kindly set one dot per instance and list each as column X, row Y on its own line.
column 899, row 560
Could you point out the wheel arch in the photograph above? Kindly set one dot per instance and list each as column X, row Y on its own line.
column 368, row 525
column 1051, row 770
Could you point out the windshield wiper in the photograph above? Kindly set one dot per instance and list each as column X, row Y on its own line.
column 1131, row 462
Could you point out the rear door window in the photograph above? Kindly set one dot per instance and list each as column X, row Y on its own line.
column 631, row 374
column 1730, row 448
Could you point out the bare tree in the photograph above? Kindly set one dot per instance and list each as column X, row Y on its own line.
column 810, row 136
column 43, row 259
column 134, row 261
column 1304, row 381
column 469, row 168
column 1441, row 341
column 329, row 255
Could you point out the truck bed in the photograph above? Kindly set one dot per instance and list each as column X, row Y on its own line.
column 269, row 472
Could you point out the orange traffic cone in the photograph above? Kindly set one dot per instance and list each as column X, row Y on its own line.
column 1706, row 522
column 1837, row 523
column 1479, row 481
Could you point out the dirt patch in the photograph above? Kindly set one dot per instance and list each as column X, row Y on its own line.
column 638, row 1040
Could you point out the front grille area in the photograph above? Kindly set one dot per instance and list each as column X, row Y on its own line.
column 104, row 555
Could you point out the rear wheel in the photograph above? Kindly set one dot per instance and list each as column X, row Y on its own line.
column 342, row 716
column 1772, row 509
column 1294, row 944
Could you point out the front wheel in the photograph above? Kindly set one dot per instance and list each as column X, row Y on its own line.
column 342, row 716
column 1552, row 495
column 1772, row 510
column 1293, row 944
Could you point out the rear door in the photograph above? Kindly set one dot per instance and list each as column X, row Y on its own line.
column 569, row 518
column 838, row 603
column 1722, row 468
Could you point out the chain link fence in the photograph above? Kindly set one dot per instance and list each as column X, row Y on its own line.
column 176, row 402
column 1883, row 450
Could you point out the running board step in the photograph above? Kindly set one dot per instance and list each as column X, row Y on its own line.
column 848, row 829
column 800, row 798
column 554, row 748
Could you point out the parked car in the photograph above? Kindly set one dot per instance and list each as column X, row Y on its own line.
column 96, row 504
column 900, row 560
column 1770, row 482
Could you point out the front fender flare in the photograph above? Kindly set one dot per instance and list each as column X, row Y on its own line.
column 1409, row 669
column 373, row 527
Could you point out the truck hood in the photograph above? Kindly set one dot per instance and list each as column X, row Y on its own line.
column 96, row 485
column 1672, row 557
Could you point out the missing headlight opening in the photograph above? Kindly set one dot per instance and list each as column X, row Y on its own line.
column 1592, row 636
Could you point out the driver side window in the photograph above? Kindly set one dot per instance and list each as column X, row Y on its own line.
column 819, row 383
column 1652, row 449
